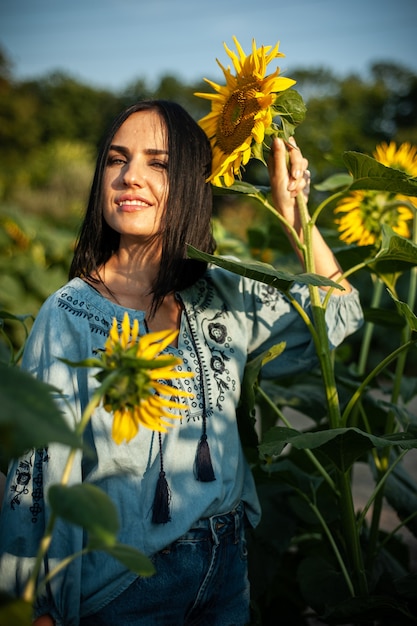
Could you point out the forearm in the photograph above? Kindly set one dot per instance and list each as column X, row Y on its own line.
column 325, row 263
column 289, row 179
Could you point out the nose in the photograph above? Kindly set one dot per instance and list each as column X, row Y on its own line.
column 132, row 175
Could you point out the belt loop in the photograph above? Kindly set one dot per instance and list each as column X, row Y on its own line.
column 236, row 515
column 213, row 529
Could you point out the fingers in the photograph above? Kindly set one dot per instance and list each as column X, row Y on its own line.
column 297, row 168
column 295, row 172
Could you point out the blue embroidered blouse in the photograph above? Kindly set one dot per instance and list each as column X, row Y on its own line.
column 226, row 319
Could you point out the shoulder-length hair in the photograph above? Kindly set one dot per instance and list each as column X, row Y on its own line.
column 186, row 220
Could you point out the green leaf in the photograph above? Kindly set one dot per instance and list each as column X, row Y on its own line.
column 302, row 481
column 342, row 446
column 383, row 317
column 88, row 506
column 396, row 248
column 290, row 105
column 239, row 186
column 90, row 362
column 14, row 611
column 306, row 397
column 131, row 558
column 369, row 608
column 406, row 586
column 262, row 272
column 370, row 174
column 246, row 407
column 29, row 417
column 321, row 583
column 405, row 311
column 275, row 440
column 401, row 493
column 336, row 181
column 351, row 255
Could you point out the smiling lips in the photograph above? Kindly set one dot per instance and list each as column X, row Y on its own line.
column 130, row 205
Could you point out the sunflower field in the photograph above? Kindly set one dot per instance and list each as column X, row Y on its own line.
column 333, row 451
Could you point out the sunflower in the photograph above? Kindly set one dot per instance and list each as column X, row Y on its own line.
column 241, row 111
column 364, row 212
column 137, row 394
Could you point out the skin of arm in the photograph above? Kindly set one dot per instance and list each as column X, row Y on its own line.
column 287, row 180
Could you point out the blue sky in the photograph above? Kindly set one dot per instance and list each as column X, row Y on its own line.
column 111, row 43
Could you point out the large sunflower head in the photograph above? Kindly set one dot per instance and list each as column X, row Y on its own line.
column 241, row 111
column 138, row 393
column 362, row 213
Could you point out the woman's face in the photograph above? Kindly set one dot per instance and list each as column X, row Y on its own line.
column 135, row 183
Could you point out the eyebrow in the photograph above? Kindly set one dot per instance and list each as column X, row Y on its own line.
column 126, row 151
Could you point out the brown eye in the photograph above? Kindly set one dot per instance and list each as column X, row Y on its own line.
column 116, row 160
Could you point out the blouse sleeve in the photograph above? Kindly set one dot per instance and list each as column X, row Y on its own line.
column 25, row 511
column 276, row 320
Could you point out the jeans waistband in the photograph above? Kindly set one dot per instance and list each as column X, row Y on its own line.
column 224, row 524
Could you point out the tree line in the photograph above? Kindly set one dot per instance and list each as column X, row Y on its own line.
column 343, row 113
column 50, row 129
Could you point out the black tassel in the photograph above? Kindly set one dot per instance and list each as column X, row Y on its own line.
column 160, row 507
column 203, row 466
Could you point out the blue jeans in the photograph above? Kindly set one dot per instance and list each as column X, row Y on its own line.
column 200, row 580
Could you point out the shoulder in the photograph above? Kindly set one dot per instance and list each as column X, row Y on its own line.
column 75, row 303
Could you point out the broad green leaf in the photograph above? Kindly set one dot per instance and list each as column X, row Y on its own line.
column 14, row 611
column 405, row 311
column 131, row 558
column 383, row 317
column 292, row 474
column 262, row 272
column 351, row 255
column 306, row 397
column 290, row 105
column 275, row 440
column 245, row 409
column 401, row 493
column 396, row 248
column 367, row 609
column 336, row 181
column 370, row 174
column 406, row 586
column 29, row 417
column 343, row 446
column 239, row 186
column 395, row 256
column 321, row 582
column 88, row 506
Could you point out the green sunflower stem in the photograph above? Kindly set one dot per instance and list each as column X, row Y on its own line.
column 353, row 548
column 314, row 460
column 351, row 534
column 30, row 589
column 322, row 345
column 369, row 327
column 390, row 426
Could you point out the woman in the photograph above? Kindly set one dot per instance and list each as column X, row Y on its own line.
column 150, row 199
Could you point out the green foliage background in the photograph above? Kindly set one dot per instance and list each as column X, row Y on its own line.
column 50, row 130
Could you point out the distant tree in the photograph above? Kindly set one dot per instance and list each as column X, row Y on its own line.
column 170, row 88
column 69, row 109
column 399, row 115
column 354, row 113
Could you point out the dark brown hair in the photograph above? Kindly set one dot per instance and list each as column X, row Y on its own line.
column 187, row 219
